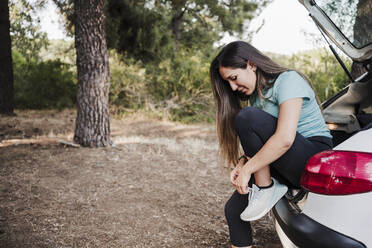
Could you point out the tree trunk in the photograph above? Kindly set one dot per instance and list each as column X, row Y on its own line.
column 178, row 9
column 362, row 34
column 92, row 122
column 176, row 27
column 6, row 70
column 363, row 22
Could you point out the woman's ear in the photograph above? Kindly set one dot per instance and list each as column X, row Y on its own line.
column 252, row 66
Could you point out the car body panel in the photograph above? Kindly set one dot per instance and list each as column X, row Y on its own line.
column 297, row 229
column 349, row 214
column 359, row 142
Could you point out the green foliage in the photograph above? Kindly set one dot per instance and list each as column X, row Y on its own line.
column 174, row 40
column 133, row 29
column 178, row 90
column 60, row 49
column 166, row 46
column 40, row 85
column 181, row 87
column 128, row 88
column 25, row 28
column 156, row 30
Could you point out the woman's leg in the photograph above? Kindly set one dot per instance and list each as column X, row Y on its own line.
column 240, row 231
column 254, row 127
column 262, row 177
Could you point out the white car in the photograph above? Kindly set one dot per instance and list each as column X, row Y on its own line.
column 334, row 206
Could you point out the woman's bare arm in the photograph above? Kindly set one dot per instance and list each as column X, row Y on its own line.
column 277, row 144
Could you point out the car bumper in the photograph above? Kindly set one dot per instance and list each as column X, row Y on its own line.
column 304, row 232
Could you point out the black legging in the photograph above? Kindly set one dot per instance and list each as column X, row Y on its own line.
column 254, row 127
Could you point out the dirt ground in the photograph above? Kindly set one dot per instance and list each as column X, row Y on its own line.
column 159, row 186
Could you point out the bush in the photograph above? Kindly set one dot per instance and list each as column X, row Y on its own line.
column 181, row 87
column 177, row 89
column 43, row 85
column 127, row 90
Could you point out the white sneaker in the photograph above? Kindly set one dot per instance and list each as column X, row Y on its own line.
column 261, row 201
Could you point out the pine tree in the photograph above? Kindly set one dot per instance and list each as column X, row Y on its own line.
column 93, row 121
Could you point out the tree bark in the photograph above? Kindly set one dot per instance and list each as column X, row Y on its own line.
column 363, row 22
column 178, row 9
column 92, row 122
column 176, row 27
column 6, row 70
column 362, row 34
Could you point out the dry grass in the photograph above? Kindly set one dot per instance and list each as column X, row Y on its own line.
column 161, row 186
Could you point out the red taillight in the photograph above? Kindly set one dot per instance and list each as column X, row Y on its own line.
column 338, row 173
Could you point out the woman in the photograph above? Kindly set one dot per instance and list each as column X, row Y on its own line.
column 279, row 132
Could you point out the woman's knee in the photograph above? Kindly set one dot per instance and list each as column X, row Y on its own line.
column 246, row 118
column 252, row 119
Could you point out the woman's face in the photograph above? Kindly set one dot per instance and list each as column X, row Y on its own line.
column 243, row 80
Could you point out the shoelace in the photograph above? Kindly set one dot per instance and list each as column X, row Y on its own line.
column 254, row 194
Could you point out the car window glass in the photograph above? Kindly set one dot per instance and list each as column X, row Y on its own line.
column 352, row 17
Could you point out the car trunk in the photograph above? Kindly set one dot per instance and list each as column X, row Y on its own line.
column 349, row 111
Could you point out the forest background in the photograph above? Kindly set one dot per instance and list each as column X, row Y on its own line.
column 159, row 51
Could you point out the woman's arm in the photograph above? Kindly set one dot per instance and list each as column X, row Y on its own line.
column 277, row 144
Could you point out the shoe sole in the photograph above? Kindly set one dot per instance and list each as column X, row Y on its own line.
column 282, row 190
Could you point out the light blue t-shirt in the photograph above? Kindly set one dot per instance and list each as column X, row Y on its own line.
column 291, row 85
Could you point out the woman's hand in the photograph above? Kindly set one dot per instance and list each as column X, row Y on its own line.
column 241, row 182
column 234, row 174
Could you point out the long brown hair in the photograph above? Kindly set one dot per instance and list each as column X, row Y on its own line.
column 228, row 103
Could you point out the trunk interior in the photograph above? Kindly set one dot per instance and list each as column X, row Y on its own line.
column 349, row 111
